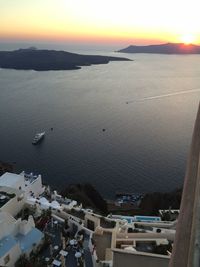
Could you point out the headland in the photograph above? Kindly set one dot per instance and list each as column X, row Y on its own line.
column 44, row 60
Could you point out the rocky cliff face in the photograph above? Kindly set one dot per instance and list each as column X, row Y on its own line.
column 151, row 203
column 5, row 167
column 87, row 195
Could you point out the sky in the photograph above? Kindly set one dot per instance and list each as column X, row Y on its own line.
column 104, row 21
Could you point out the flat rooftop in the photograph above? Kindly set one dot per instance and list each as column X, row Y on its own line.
column 30, row 239
column 5, row 197
column 6, row 244
column 10, row 179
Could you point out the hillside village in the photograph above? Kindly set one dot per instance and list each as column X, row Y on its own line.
column 39, row 227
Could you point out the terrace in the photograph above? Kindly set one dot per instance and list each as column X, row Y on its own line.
column 106, row 223
column 29, row 178
column 5, row 197
column 76, row 213
column 63, row 248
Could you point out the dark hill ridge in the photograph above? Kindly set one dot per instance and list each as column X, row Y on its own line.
column 169, row 48
column 41, row 60
column 87, row 195
column 153, row 202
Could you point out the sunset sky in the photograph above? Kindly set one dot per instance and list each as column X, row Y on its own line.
column 105, row 21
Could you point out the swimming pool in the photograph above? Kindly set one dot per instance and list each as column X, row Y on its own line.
column 131, row 219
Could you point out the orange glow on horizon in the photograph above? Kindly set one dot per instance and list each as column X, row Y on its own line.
column 91, row 37
column 100, row 22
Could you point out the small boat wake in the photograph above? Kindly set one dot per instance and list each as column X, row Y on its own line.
column 164, row 95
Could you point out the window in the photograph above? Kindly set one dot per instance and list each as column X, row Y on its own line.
column 90, row 225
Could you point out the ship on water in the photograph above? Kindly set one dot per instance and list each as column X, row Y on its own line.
column 38, row 137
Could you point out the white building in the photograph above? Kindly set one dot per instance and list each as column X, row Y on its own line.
column 29, row 183
column 11, row 200
column 17, row 237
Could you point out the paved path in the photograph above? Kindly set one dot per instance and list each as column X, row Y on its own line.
column 71, row 260
column 87, row 253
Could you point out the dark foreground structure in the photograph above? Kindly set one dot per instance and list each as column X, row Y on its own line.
column 186, row 250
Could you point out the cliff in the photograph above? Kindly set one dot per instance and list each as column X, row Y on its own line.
column 168, row 48
column 151, row 203
column 43, row 60
column 87, row 195
column 5, row 167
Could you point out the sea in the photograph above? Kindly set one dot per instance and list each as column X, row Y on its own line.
column 123, row 126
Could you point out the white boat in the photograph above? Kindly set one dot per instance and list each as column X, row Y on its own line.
column 38, row 137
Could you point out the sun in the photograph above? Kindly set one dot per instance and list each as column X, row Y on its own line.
column 188, row 38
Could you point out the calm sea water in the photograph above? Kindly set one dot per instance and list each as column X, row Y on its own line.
column 146, row 142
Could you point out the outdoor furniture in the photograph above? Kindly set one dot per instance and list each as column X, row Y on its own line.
column 55, row 223
column 56, row 263
column 72, row 242
column 63, row 253
column 78, row 254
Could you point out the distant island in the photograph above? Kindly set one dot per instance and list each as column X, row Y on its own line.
column 43, row 60
column 168, row 48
